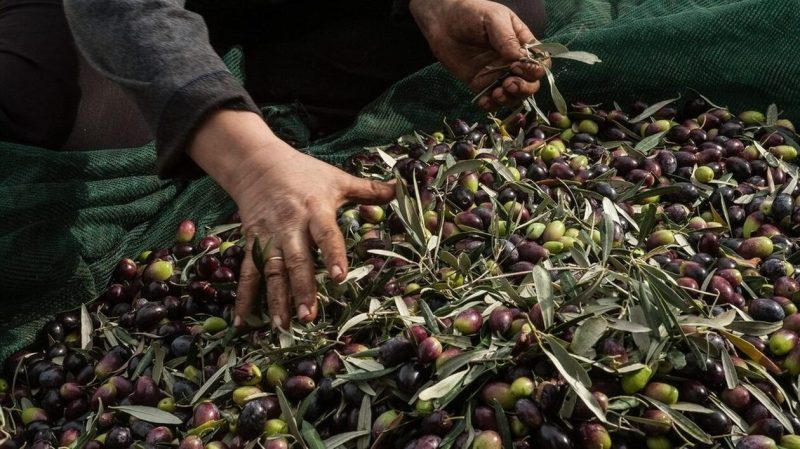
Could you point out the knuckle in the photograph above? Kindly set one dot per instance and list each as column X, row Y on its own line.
column 273, row 270
column 328, row 235
column 296, row 261
column 248, row 277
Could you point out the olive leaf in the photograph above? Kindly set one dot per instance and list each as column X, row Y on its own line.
column 580, row 56
column 149, row 414
column 683, row 422
column 767, row 402
column 652, row 109
column 211, row 380
column 555, row 94
column 577, row 378
column 86, row 328
column 544, row 294
column 731, row 378
column 502, row 425
column 754, row 328
column 288, row 416
column 772, row 114
column 588, row 334
column 649, row 142
column 364, row 421
column 311, row 436
column 443, row 387
column 342, row 438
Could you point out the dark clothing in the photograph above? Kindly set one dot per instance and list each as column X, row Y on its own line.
column 333, row 57
column 38, row 73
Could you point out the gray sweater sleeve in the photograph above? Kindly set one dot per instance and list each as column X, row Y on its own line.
column 160, row 53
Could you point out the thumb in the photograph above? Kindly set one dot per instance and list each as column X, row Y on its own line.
column 363, row 191
column 502, row 30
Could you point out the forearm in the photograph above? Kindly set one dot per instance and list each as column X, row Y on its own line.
column 160, row 53
column 236, row 148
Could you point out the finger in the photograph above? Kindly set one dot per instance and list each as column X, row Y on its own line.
column 249, row 279
column 300, row 269
column 486, row 103
column 519, row 88
column 522, row 31
column 277, row 292
column 503, row 37
column 329, row 239
column 499, row 96
column 363, row 191
column 528, row 71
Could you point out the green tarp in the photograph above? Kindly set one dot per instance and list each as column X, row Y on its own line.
column 67, row 217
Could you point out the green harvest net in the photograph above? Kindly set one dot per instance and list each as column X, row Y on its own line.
column 67, row 217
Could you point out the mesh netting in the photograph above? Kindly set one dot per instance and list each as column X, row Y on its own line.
column 67, row 217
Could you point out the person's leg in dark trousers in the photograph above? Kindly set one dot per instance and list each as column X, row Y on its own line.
column 39, row 90
column 49, row 95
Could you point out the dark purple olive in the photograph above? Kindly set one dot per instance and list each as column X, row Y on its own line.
column 298, row 387
column 756, row 442
column 500, row 320
column 437, row 423
column 123, row 386
column 756, row 413
column 765, row 309
column 307, row 367
column 769, row 427
column 410, row 377
column 254, row 416
column 484, row 418
column 74, row 362
column 183, row 390
column 461, row 197
column 206, row 266
column 112, row 361
column 125, row 270
column 561, row 170
column 139, row 428
column 467, row 221
column 352, row 394
column 550, row 436
column 76, row 408
column 205, row 412
column 715, row 423
column 181, row 345
column 118, row 438
column 52, row 377
column 468, row 321
column 191, row 442
column 528, row 412
column 396, row 350
column 463, row 150
column 115, row 294
column 429, row 350
column 160, row 434
column 148, row 316
column 693, row 391
column 661, row 422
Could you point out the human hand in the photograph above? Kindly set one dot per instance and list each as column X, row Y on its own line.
column 467, row 36
column 287, row 198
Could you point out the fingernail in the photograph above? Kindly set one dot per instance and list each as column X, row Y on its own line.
column 302, row 311
column 336, row 273
column 237, row 322
column 277, row 322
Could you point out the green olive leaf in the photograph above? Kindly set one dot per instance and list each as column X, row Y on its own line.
column 152, row 415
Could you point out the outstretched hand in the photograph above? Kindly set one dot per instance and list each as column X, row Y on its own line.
column 470, row 37
column 284, row 197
